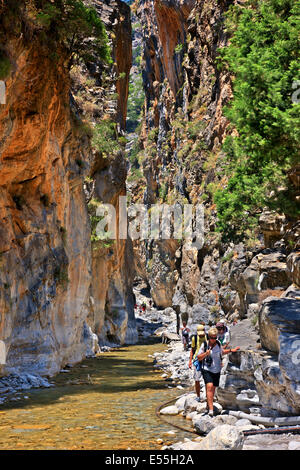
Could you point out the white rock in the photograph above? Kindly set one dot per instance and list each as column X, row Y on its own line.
column 170, row 433
column 294, row 445
column 218, row 407
column 248, row 427
column 224, row 437
column 190, row 416
column 169, row 410
column 243, row 422
column 225, row 419
column 180, row 403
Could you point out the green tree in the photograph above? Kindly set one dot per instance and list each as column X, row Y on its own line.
column 77, row 26
column 68, row 22
column 263, row 57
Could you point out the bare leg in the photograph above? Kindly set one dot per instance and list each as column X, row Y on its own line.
column 210, row 393
column 197, row 388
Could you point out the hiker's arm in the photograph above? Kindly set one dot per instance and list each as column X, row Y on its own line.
column 203, row 355
column 228, row 351
column 191, row 357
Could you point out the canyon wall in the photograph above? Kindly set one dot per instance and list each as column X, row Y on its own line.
column 49, row 274
column 182, row 134
column 111, row 314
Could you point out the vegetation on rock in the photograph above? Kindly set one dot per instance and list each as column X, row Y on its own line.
column 67, row 22
column 263, row 57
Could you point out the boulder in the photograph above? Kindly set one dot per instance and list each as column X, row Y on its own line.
column 276, row 315
column 190, row 403
column 293, row 264
column 247, row 398
column 167, row 337
column 272, row 225
column 203, row 424
column 223, row 437
column 277, row 382
column 273, row 270
column 200, row 313
column 225, row 419
column 180, row 403
column 169, row 410
column 243, row 422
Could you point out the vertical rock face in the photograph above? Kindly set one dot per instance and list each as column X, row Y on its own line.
column 183, row 130
column 115, row 14
column 171, row 17
column 182, row 84
column 48, row 275
column 111, row 314
column 164, row 25
column 44, row 243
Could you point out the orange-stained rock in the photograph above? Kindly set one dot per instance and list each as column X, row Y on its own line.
column 46, row 269
column 45, row 248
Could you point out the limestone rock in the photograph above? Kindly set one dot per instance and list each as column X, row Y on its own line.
column 225, row 419
column 223, row 437
column 169, row 410
column 294, row 445
column 293, row 263
column 276, row 315
column 203, row 424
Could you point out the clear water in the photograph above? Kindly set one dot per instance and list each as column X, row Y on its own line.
column 108, row 402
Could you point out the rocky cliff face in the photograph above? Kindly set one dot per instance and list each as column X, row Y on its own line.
column 45, row 248
column 183, row 131
column 111, row 314
column 49, row 274
column 184, row 122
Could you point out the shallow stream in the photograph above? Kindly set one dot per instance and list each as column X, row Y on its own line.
column 107, row 402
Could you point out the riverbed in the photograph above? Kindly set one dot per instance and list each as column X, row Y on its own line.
column 104, row 403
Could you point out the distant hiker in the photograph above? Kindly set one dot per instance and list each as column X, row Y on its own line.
column 210, row 355
column 143, row 306
column 197, row 341
column 150, row 303
column 185, row 336
column 223, row 334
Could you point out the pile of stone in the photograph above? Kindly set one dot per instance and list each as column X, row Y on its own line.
column 12, row 385
column 220, row 432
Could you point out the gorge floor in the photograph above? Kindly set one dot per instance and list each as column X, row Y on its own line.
column 107, row 402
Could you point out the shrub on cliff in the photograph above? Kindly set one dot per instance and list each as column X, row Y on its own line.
column 105, row 138
column 78, row 26
column 67, row 22
column 5, row 66
column 263, row 57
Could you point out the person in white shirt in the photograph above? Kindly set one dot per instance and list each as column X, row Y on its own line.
column 223, row 334
column 211, row 353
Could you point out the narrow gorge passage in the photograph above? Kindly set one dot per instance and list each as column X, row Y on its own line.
column 163, row 113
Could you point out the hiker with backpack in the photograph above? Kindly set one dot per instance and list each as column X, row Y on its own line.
column 223, row 333
column 185, row 336
column 197, row 341
column 210, row 357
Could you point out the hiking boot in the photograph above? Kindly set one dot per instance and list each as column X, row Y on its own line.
column 211, row 413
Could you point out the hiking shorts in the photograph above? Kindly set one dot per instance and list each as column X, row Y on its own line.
column 210, row 377
column 197, row 374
